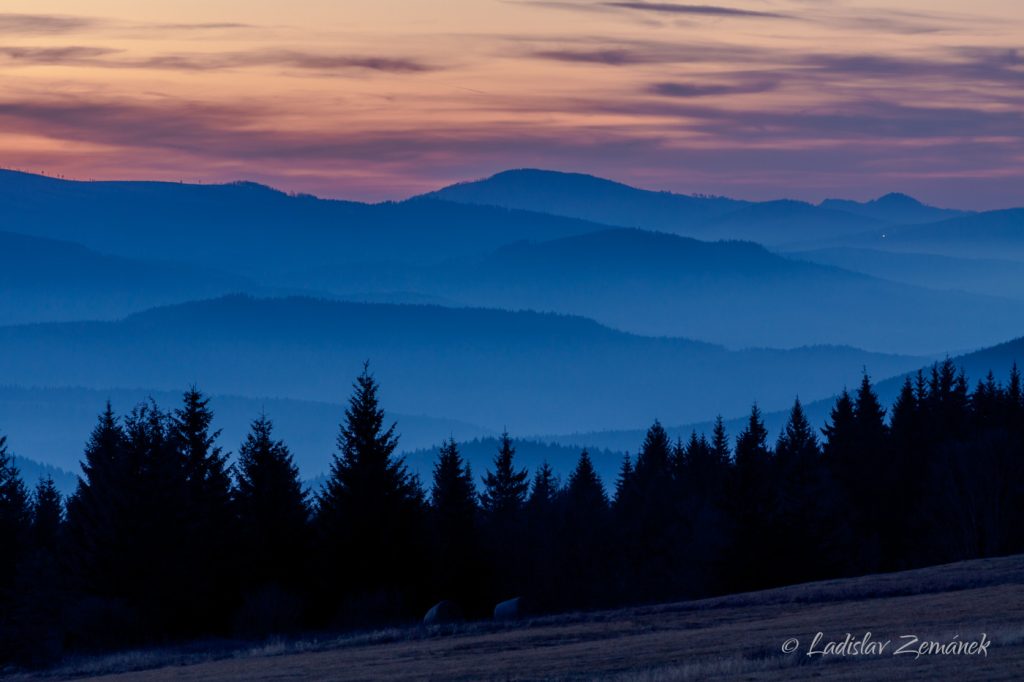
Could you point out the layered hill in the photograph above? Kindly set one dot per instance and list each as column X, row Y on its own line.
column 45, row 280
column 531, row 372
column 773, row 223
column 999, row 360
column 986, row 276
column 992, row 234
column 591, row 198
column 253, row 230
column 733, row 293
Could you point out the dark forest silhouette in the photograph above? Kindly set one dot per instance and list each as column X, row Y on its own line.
column 164, row 540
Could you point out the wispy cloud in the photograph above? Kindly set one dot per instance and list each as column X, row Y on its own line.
column 99, row 57
column 611, row 57
column 72, row 54
column 36, row 24
column 702, row 10
column 55, row 24
column 687, row 90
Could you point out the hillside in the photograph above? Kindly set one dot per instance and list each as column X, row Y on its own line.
column 725, row 638
column 895, row 208
column 254, row 230
column 45, row 280
column 733, row 293
column 778, row 223
column 591, row 198
column 997, row 359
column 771, row 222
column 534, row 373
column 985, row 276
column 992, row 234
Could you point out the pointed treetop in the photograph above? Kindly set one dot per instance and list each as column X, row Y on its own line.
column 585, row 489
column 453, row 479
column 545, row 486
column 720, row 441
column 753, row 440
column 505, row 488
column 797, row 439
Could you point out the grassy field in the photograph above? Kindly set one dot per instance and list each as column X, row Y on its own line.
column 729, row 638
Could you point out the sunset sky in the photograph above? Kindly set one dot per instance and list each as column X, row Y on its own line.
column 379, row 99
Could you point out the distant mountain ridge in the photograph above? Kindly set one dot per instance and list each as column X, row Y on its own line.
column 987, row 276
column 734, row 293
column 255, row 231
column 589, row 197
column 771, row 223
column 894, row 207
column 530, row 372
column 43, row 280
column 998, row 359
column 993, row 234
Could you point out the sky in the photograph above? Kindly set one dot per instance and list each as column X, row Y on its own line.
column 383, row 99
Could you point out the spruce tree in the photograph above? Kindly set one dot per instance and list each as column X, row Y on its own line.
column 457, row 566
column 371, row 513
column 42, row 593
column 703, row 499
column 99, row 512
column 542, row 537
column 649, row 523
column 869, row 415
column 505, row 488
column 502, row 501
column 797, row 514
column 840, row 433
column 15, row 520
column 584, row 574
column 453, row 494
column 543, row 491
column 47, row 516
column 720, row 442
column 207, row 551
column 754, row 499
column 584, row 492
column 272, row 511
column 623, row 481
column 160, row 523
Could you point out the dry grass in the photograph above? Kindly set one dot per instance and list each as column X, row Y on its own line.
column 728, row 638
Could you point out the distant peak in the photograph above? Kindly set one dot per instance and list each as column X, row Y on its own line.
column 898, row 198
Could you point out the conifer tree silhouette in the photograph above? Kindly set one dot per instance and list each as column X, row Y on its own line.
column 583, row 538
column 754, row 499
column 649, row 521
column 207, row 550
column 42, row 592
column 459, row 573
column 15, row 517
column 797, row 514
column 371, row 510
column 502, row 500
column 541, row 513
column 272, row 508
column 505, row 488
column 100, row 519
column 15, row 526
column 273, row 529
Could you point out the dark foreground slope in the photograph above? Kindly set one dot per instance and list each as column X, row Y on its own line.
column 728, row 638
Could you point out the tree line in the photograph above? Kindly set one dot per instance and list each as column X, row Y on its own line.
column 165, row 539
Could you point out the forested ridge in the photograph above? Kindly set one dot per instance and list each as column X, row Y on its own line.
column 168, row 539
